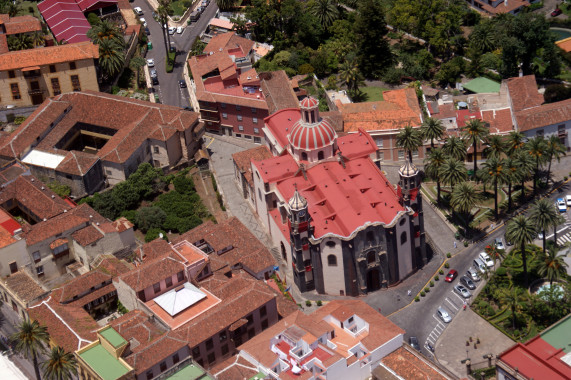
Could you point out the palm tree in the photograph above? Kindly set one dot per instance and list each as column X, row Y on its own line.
column 483, row 37
column 495, row 146
column 555, row 150
column 350, row 74
column 474, row 132
column 455, row 148
column 225, row 5
column 512, row 176
column 432, row 164
column 106, row 31
column 38, row 39
column 31, row 340
column 495, row 253
column 111, row 58
column 494, row 171
column 559, row 221
column 163, row 12
column 20, row 42
column 464, row 198
column 521, row 231
column 410, row 139
column 515, row 142
column 543, row 215
column 61, row 365
column 511, row 298
column 135, row 64
column 551, row 266
column 325, row 11
column 525, row 164
column 536, row 148
column 452, row 172
column 432, row 129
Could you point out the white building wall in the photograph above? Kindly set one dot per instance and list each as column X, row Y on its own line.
column 552, row 130
column 404, row 250
column 333, row 276
column 15, row 252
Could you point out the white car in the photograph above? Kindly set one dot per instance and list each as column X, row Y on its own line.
column 561, row 206
column 179, row 30
column 568, row 200
column 443, row 315
column 143, row 21
column 172, row 29
column 138, row 11
column 486, row 259
column 151, row 62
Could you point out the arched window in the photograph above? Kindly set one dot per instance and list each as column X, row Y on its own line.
column 320, row 155
column 303, row 156
column 371, row 257
column 402, row 222
column 403, row 238
column 332, row 260
column 330, row 244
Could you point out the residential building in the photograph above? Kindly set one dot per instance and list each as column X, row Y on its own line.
column 20, row 291
column 340, row 226
column 547, row 356
column 29, row 77
column 341, row 340
column 407, row 363
column 231, row 96
column 51, row 237
column 383, row 120
column 532, row 117
column 16, row 26
column 494, row 7
column 243, row 170
column 88, row 140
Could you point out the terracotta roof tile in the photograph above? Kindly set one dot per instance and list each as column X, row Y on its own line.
column 21, row 24
column 146, row 356
column 48, row 55
column 82, row 284
column 114, row 266
column 24, row 286
column 410, row 366
column 544, row 115
column 278, row 91
column 151, row 272
column 245, row 157
column 229, row 41
column 235, row 367
column 77, row 163
column 87, row 235
column 523, row 93
column 500, row 120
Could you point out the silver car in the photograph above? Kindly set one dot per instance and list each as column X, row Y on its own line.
column 473, row 274
column 462, row 291
column 443, row 315
column 467, row 282
column 499, row 243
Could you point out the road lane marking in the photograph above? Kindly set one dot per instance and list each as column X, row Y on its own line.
column 450, row 302
column 460, row 298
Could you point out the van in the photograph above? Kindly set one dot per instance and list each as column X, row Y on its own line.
column 479, row 265
column 194, row 16
column 486, row 259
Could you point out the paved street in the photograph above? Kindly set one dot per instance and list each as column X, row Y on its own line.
column 168, row 87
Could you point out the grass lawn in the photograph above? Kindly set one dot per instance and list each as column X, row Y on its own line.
column 25, row 8
column 374, row 93
column 178, row 8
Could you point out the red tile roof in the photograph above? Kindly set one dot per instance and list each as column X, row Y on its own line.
column 87, row 235
column 411, row 366
column 244, row 158
column 81, row 284
column 523, row 93
column 24, row 287
column 500, row 120
column 48, row 55
column 278, row 91
column 20, row 24
column 465, row 115
column 544, row 115
column 229, row 43
column 152, row 271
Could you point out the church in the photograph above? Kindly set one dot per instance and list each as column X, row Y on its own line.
column 341, row 226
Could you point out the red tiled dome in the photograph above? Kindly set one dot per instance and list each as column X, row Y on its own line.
column 309, row 102
column 311, row 136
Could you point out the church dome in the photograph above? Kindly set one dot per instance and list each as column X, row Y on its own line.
column 297, row 202
column 408, row 169
column 311, row 136
column 309, row 102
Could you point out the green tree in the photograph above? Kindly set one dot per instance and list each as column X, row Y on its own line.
column 38, row 39
column 163, row 12
column 512, row 299
column 31, row 340
column 432, row 164
column 111, row 58
column 474, row 132
column 483, row 38
column 455, row 147
column 136, row 64
column 106, row 31
column 525, row 164
column 552, row 265
column 373, row 48
column 150, row 217
column 555, row 150
column 537, row 148
column 20, row 42
column 495, row 173
column 183, row 184
column 495, row 146
column 225, row 5
column 60, row 365
column 521, row 231
column 544, row 216
column 410, row 139
column 324, row 10
column 512, row 176
column 495, row 253
column 464, row 197
column 515, row 142
column 452, row 172
column 432, row 129
column 350, row 74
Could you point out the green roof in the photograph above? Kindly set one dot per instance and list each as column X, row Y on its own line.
column 482, row 85
column 258, row 376
column 189, row 372
column 113, row 337
column 559, row 334
column 102, row 362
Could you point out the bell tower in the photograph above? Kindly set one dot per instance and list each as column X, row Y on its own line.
column 300, row 229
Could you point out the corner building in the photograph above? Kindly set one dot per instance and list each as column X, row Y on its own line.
column 341, row 226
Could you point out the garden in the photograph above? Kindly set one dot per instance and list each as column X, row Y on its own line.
column 507, row 304
column 155, row 203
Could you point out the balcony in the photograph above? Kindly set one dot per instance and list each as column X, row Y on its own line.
column 31, row 74
column 35, row 91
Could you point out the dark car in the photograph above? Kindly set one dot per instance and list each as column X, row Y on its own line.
column 182, row 83
column 413, row 341
column 451, row 275
column 556, row 12
column 467, row 282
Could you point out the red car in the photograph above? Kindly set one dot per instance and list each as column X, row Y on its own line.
column 556, row 12
column 451, row 275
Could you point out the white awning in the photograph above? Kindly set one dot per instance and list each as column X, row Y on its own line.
column 39, row 158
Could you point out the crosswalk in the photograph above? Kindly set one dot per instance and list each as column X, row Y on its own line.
column 452, row 304
column 565, row 238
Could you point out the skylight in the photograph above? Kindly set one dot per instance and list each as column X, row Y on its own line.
column 176, row 300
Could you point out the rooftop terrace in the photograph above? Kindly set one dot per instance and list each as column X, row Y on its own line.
column 104, row 363
column 232, row 88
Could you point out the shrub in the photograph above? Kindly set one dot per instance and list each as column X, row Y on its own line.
column 154, row 233
column 446, row 265
column 60, row 189
column 319, row 303
column 115, row 90
column 93, row 19
column 501, row 271
column 441, row 272
column 306, row 68
column 436, row 278
column 416, row 299
column 465, row 244
column 183, row 184
column 431, row 284
column 427, row 289
column 448, row 255
column 121, row 309
column 308, row 303
column 150, row 218
column 565, row 178
column 422, row 294
column 19, row 120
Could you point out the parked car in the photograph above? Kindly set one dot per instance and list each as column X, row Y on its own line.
column 155, row 16
column 172, row 30
column 462, row 291
column 487, row 260
column 154, row 76
column 194, row 16
column 479, row 265
column 138, row 11
column 568, row 199
column 556, row 12
column 467, row 282
column 499, row 243
column 182, row 83
column 473, row 274
column 540, row 235
column 413, row 341
column 561, row 206
column 179, row 30
column 151, row 62
column 451, row 275
column 143, row 21
column 443, row 315
column 147, row 31
column 199, row 9
column 204, row 4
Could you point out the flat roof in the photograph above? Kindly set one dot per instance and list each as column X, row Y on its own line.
column 559, row 335
column 103, row 363
column 189, row 372
column 113, row 337
column 39, row 158
column 482, row 85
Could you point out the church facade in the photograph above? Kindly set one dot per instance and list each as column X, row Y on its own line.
column 342, row 228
